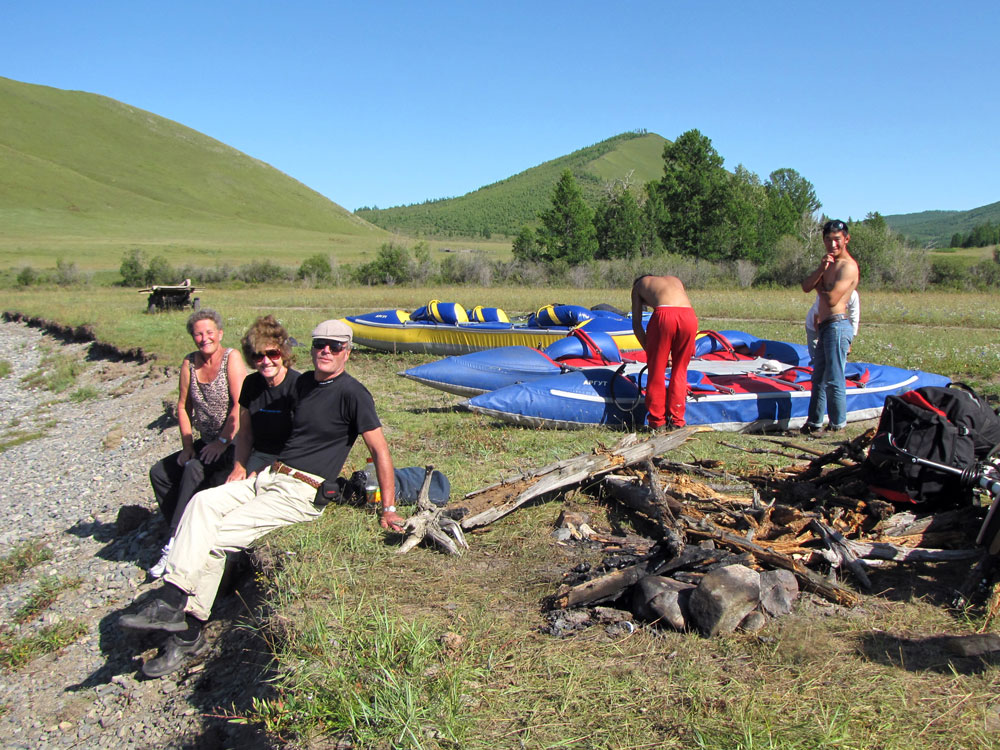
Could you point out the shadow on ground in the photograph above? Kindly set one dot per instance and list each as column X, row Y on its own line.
column 220, row 686
column 944, row 654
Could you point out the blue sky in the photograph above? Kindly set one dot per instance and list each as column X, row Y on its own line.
column 884, row 106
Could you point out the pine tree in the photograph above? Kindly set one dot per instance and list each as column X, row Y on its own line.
column 567, row 232
column 695, row 194
column 618, row 223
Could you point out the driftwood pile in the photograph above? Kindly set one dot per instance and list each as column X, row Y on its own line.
column 718, row 552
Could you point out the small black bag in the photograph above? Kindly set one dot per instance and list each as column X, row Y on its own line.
column 331, row 491
column 953, row 426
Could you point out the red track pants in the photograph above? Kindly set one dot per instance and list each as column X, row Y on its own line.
column 670, row 333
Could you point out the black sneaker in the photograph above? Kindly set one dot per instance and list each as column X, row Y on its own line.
column 157, row 615
column 176, row 653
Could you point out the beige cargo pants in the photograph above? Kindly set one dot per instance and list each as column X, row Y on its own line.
column 229, row 518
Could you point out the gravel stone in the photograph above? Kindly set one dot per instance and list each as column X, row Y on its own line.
column 66, row 489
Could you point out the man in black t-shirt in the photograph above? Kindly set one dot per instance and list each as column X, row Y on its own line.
column 330, row 409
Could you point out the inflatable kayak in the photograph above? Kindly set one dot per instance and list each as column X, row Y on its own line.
column 731, row 387
column 481, row 372
column 446, row 328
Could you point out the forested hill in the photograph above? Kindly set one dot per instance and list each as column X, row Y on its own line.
column 504, row 207
column 72, row 162
column 938, row 227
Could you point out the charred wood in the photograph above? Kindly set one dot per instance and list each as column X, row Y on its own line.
column 807, row 579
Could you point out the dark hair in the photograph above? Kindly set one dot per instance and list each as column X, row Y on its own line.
column 267, row 333
column 206, row 313
column 835, row 225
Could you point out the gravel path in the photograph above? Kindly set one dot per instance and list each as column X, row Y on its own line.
column 66, row 488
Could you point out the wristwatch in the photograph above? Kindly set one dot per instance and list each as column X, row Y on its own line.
column 223, row 440
column 388, row 508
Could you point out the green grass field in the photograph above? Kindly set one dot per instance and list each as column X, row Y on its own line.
column 952, row 334
column 359, row 633
column 215, row 245
column 85, row 178
column 967, row 256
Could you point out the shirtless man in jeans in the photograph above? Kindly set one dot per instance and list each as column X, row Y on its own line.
column 667, row 339
column 834, row 280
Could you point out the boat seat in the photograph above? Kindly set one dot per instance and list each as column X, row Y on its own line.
column 580, row 343
column 480, row 314
column 560, row 315
column 437, row 311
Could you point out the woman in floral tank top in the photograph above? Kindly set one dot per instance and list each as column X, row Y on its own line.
column 208, row 401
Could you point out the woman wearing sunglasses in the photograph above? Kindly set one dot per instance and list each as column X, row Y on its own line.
column 265, row 405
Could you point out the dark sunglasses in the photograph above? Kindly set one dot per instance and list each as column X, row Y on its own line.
column 335, row 346
column 834, row 226
column 272, row 354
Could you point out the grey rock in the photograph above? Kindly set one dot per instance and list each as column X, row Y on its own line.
column 664, row 600
column 778, row 591
column 753, row 621
column 723, row 598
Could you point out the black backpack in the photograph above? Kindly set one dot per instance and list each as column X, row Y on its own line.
column 953, row 426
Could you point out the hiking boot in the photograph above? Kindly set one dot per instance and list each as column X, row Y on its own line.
column 811, row 430
column 156, row 615
column 176, row 653
column 160, row 567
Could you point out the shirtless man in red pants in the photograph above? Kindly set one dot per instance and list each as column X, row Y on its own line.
column 668, row 339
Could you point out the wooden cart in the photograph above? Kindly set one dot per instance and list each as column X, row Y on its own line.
column 171, row 297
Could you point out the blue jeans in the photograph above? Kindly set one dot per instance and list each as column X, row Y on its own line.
column 828, row 389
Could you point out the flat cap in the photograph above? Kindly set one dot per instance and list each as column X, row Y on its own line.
column 337, row 330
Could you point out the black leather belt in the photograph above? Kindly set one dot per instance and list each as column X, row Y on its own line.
column 280, row 468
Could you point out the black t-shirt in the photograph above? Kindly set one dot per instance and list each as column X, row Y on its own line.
column 270, row 410
column 327, row 418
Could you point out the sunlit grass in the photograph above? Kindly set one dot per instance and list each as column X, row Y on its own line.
column 18, row 651
column 21, row 558
column 46, row 592
column 19, row 437
column 56, row 372
column 348, row 611
column 84, row 393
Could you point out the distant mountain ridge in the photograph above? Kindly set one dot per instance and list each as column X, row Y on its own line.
column 505, row 206
column 76, row 162
column 937, row 227
column 81, row 165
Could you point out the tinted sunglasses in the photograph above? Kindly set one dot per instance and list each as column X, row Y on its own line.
column 834, row 226
column 335, row 346
column 272, row 354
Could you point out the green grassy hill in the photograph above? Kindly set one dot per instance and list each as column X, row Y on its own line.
column 937, row 227
column 82, row 176
column 504, row 207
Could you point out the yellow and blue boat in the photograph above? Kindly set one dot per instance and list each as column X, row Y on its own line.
column 447, row 328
